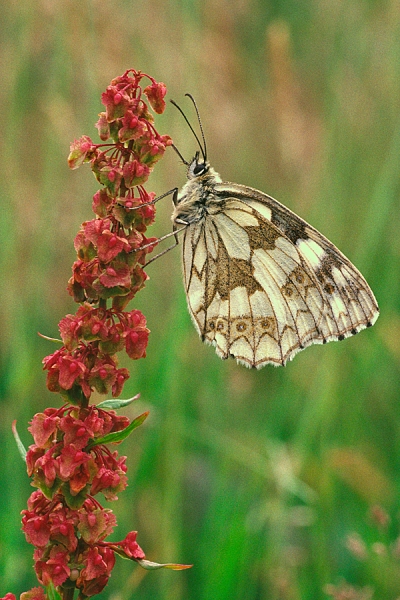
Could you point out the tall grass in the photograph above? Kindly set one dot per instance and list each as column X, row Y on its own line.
column 258, row 478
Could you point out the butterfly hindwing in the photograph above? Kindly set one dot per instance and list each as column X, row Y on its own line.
column 262, row 284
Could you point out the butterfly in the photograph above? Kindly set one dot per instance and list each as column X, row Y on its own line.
column 261, row 283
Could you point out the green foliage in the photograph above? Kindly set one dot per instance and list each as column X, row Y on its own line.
column 20, row 446
column 257, row 478
column 51, row 592
column 119, row 436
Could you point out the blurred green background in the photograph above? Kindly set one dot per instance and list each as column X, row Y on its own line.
column 281, row 484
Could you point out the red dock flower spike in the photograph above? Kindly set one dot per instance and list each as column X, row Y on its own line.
column 111, row 248
column 70, row 460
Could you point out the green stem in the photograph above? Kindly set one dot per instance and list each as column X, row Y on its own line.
column 68, row 593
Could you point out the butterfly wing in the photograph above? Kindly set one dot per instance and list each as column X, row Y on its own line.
column 262, row 284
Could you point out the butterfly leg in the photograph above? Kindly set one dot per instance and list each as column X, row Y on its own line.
column 174, row 191
column 174, row 233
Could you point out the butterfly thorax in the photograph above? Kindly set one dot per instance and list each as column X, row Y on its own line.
column 197, row 198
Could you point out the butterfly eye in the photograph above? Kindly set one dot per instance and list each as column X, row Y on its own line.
column 199, row 168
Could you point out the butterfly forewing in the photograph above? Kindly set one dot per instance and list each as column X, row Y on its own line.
column 261, row 283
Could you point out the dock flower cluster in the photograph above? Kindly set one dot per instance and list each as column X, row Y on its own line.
column 70, row 461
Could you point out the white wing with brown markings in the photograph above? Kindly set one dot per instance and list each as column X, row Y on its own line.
column 262, row 284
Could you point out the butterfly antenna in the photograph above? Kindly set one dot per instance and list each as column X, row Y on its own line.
column 204, row 152
column 185, row 162
column 190, row 127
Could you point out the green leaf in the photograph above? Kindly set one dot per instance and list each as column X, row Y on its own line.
column 74, row 502
column 115, row 403
column 20, row 445
column 152, row 566
column 52, row 593
column 49, row 492
column 49, row 339
column 119, row 436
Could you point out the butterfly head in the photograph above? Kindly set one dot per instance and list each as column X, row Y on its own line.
column 197, row 167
